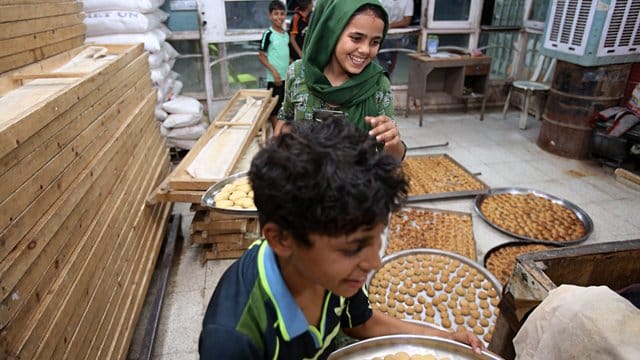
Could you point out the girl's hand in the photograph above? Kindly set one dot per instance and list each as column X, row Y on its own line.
column 385, row 131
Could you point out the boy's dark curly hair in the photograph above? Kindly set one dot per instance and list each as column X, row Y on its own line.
column 325, row 178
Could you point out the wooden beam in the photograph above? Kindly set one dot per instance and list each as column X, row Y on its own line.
column 121, row 147
column 31, row 56
column 15, row 29
column 33, row 11
column 20, row 120
column 20, row 164
column 19, row 212
column 33, row 41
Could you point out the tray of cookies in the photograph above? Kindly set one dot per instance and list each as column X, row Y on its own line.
column 416, row 227
column 501, row 259
column 534, row 216
column 438, row 287
column 439, row 176
column 409, row 347
column 232, row 195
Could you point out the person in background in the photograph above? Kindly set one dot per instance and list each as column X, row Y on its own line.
column 323, row 196
column 400, row 14
column 274, row 54
column 298, row 29
column 336, row 72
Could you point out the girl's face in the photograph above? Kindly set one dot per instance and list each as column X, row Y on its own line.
column 358, row 44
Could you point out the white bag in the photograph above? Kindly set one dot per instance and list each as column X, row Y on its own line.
column 183, row 105
column 192, row 132
column 151, row 39
column 181, row 120
column 181, row 144
column 160, row 114
column 159, row 74
column 120, row 22
column 144, row 6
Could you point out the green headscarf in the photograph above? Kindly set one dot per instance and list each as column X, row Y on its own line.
column 357, row 95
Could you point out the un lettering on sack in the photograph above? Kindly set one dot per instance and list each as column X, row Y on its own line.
column 183, row 105
column 143, row 6
column 121, row 22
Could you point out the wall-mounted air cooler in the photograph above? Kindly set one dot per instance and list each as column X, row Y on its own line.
column 593, row 32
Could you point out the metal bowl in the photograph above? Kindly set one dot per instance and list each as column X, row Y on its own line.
column 208, row 197
column 379, row 347
column 580, row 214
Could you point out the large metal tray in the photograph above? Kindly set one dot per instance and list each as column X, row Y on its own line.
column 379, row 347
column 453, row 194
column 463, row 260
column 581, row 214
column 387, row 233
column 207, row 198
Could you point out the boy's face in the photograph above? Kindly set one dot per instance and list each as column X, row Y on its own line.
column 341, row 263
column 277, row 18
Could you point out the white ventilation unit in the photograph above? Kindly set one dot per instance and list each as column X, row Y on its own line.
column 593, row 32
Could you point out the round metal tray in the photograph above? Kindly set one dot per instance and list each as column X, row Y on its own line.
column 580, row 214
column 512, row 243
column 463, row 260
column 411, row 344
column 209, row 195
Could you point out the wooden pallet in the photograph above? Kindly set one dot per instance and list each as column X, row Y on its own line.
column 180, row 186
column 222, row 236
column 78, row 240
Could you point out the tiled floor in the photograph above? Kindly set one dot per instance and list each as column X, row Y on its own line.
column 503, row 154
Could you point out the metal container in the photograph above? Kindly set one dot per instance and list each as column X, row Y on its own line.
column 581, row 214
column 379, row 347
column 209, row 195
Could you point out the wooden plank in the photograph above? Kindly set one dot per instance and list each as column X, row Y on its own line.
column 113, row 242
column 83, row 319
column 15, row 29
column 23, row 162
column 103, row 306
column 179, row 178
column 31, row 56
column 120, row 347
column 60, row 221
column 22, row 2
column 90, row 287
column 16, row 224
column 33, row 41
column 115, row 157
column 122, row 305
column 19, row 121
column 33, row 11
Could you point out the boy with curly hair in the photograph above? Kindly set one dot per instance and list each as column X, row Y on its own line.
column 323, row 195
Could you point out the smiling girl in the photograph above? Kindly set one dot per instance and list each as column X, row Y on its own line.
column 336, row 71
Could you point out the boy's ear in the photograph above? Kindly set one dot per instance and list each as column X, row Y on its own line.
column 280, row 241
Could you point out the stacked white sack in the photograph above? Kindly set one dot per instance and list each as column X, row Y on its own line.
column 183, row 125
column 137, row 21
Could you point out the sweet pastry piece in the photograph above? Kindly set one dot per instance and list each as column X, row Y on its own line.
column 533, row 216
column 450, row 305
column 501, row 261
column 437, row 174
column 413, row 228
column 236, row 195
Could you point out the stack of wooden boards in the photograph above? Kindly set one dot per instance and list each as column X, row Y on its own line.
column 33, row 30
column 80, row 153
column 223, row 236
